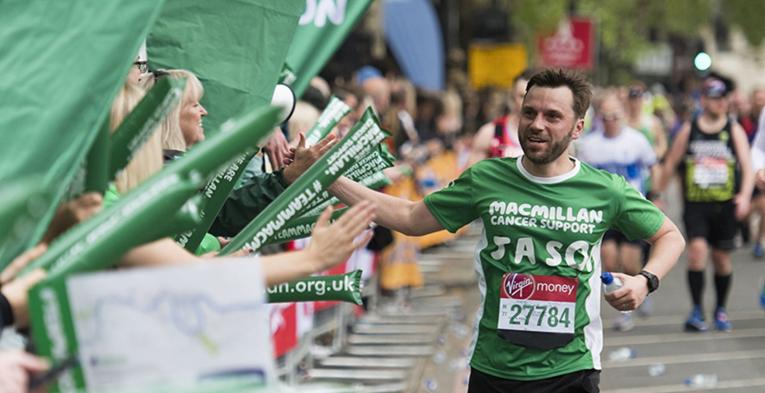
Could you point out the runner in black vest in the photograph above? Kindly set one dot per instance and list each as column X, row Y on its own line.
column 709, row 151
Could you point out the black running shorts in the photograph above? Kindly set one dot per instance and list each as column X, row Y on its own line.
column 585, row 381
column 713, row 221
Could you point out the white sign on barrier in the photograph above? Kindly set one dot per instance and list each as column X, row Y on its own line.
column 171, row 325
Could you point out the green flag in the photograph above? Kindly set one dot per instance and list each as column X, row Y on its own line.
column 236, row 48
column 134, row 217
column 22, row 207
column 322, row 28
column 62, row 63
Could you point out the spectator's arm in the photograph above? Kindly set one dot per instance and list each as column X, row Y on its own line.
column 71, row 213
column 330, row 245
column 481, row 143
column 246, row 202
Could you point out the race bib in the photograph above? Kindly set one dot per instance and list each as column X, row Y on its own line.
column 710, row 172
column 537, row 311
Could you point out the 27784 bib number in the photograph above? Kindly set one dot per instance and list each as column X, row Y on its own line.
column 540, row 304
column 544, row 318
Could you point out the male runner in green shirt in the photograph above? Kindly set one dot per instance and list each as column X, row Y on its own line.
column 538, row 262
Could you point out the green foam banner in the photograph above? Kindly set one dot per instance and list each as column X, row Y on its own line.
column 302, row 227
column 142, row 122
column 361, row 139
column 342, row 287
column 335, row 110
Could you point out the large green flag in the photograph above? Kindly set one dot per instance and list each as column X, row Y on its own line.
column 236, row 48
column 62, row 63
column 323, row 27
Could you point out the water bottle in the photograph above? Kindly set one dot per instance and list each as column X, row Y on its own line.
column 431, row 385
column 657, row 369
column 610, row 283
column 762, row 296
column 701, row 381
column 622, row 354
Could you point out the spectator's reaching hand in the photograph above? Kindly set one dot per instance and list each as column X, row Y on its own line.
column 306, row 156
column 16, row 367
column 333, row 244
column 73, row 212
column 278, row 150
column 20, row 262
column 16, row 289
column 17, row 292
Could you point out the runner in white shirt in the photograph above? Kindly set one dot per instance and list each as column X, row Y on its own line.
column 623, row 151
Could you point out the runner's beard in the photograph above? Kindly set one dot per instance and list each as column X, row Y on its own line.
column 549, row 154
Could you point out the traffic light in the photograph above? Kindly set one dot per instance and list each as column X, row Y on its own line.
column 702, row 61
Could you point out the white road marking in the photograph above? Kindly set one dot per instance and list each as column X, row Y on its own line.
column 682, row 337
column 688, row 358
column 721, row 385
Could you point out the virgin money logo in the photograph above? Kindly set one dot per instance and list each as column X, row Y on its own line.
column 519, row 286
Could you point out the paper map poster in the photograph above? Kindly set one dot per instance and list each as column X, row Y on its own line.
column 172, row 325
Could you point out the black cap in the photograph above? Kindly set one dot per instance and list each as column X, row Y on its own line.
column 715, row 88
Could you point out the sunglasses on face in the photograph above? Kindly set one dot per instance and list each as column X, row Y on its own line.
column 142, row 66
column 610, row 116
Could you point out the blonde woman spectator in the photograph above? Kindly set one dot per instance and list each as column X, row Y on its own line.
column 331, row 244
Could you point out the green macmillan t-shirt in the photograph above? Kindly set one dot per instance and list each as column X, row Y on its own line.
column 538, row 260
column 209, row 242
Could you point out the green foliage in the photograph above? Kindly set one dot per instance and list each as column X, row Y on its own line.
column 530, row 18
column 626, row 27
column 747, row 16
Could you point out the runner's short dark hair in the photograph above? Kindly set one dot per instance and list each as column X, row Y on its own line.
column 575, row 81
